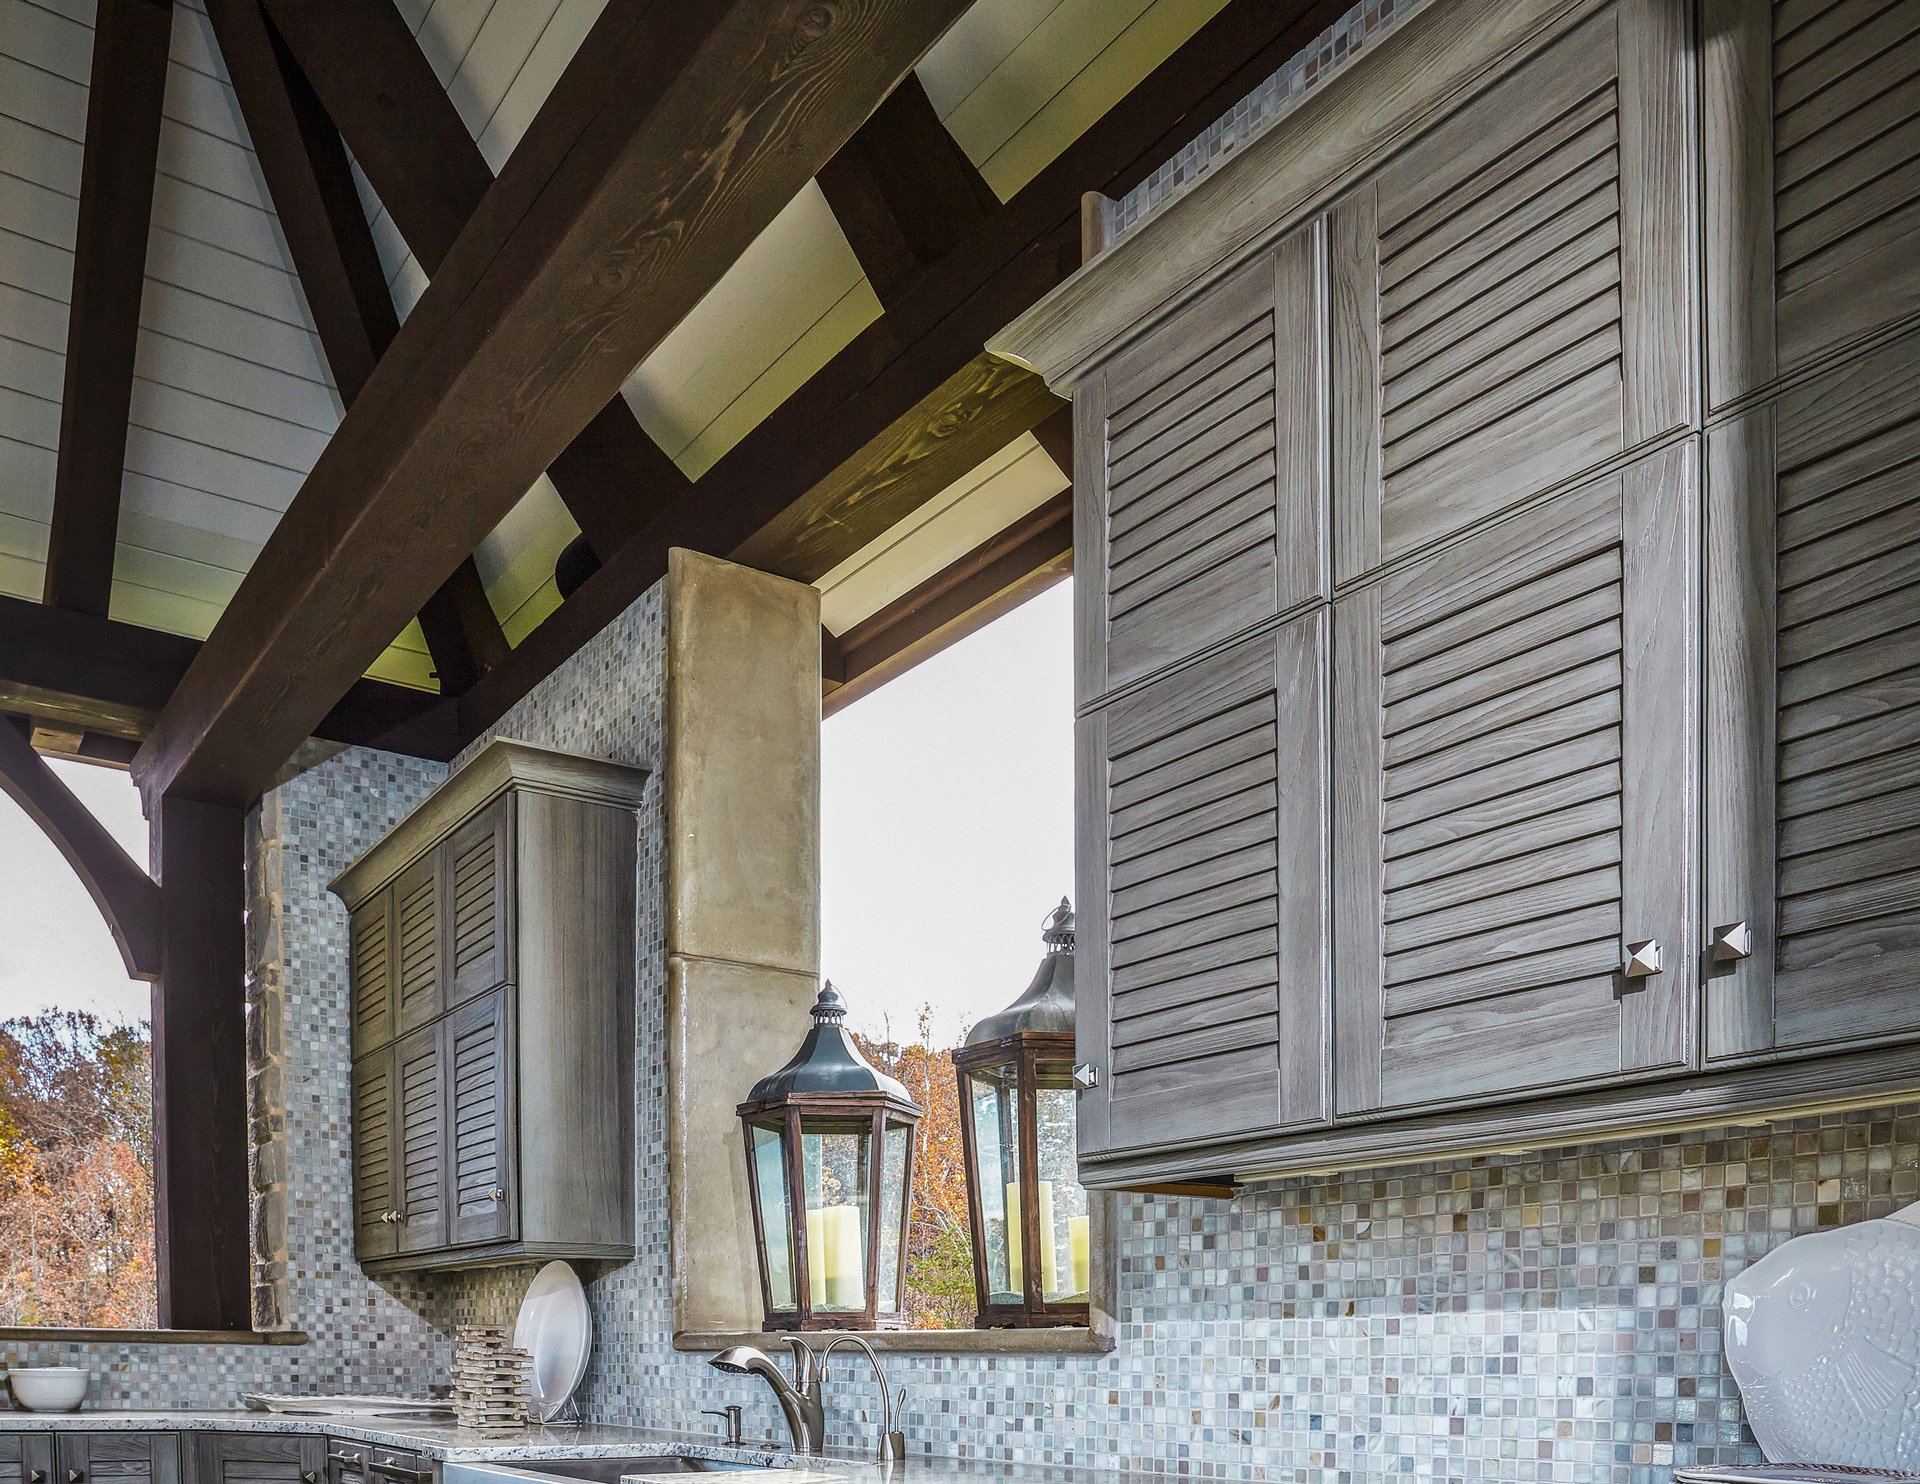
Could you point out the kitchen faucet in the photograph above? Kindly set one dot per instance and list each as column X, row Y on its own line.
column 802, row 1399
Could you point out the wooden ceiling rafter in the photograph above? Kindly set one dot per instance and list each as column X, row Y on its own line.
column 305, row 166
column 913, row 402
column 671, row 141
column 903, row 191
column 428, row 172
column 128, row 84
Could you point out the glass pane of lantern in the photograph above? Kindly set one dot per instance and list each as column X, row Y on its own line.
column 893, row 1212
column 1062, row 1200
column 834, row 1171
column 994, row 1112
column 770, row 1179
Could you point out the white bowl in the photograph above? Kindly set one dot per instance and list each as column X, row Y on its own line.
column 49, row 1388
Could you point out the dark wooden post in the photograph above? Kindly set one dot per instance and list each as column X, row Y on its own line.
column 200, row 1068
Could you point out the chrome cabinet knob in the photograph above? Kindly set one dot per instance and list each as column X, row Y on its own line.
column 496, row 1194
column 1086, row 1076
column 1643, row 959
column 1730, row 943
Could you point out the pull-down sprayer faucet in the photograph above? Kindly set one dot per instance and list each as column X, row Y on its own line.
column 802, row 1399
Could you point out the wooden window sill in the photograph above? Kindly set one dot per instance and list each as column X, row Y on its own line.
column 1066, row 1340
column 30, row 1333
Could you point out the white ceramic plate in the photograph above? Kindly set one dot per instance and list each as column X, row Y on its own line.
column 556, row 1329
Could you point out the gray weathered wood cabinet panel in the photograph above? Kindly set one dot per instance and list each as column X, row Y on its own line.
column 1506, row 294
column 1204, row 497
column 477, row 1047
column 1203, row 897
column 375, row 1199
column 498, row 1125
column 1812, row 148
column 118, row 1457
column 254, row 1458
column 26, row 1458
column 1813, row 681
column 1513, row 775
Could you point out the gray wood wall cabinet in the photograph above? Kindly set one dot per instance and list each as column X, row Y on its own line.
column 1496, row 727
column 491, row 942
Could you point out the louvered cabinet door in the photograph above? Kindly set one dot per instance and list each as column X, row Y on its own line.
column 479, row 883
column 117, row 1457
column 477, row 1043
column 1201, row 512
column 370, row 970
column 420, row 1163
column 1513, row 783
column 1813, row 682
column 1202, row 888
column 375, row 1192
column 1812, row 118
column 1511, row 297
column 419, row 936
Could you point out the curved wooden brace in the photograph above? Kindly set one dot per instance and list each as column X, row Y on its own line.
column 128, row 898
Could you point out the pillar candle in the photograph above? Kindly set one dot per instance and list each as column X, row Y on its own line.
column 836, row 1258
column 1082, row 1266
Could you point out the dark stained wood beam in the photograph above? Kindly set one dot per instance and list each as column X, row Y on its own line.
column 111, row 679
column 382, row 94
column 997, row 576
column 910, row 378
column 903, row 191
column 124, row 893
column 426, row 169
column 305, row 165
column 656, row 161
column 200, row 1214
column 127, row 84
column 462, row 632
column 306, row 171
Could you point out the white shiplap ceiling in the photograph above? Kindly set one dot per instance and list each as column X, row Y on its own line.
column 233, row 401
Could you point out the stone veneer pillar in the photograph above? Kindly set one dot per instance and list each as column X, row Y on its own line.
column 266, row 1063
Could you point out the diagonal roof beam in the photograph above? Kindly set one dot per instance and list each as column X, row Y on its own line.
column 307, row 175
column 678, row 133
column 416, row 152
column 126, row 88
column 914, row 402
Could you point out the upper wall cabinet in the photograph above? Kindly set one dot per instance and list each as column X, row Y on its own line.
column 1205, row 512
column 1812, row 180
column 491, row 943
column 1203, row 896
column 1508, row 293
column 1814, row 687
column 1513, row 764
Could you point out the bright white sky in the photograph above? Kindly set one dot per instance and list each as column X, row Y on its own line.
column 55, row 949
column 947, row 824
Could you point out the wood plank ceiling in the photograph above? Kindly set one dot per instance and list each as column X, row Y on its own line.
column 233, row 398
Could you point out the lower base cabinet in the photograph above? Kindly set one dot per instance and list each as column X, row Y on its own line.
column 25, row 1458
column 255, row 1458
column 115, row 1457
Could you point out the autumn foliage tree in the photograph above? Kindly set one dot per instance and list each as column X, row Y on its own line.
column 939, row 1277
column 76, row 1173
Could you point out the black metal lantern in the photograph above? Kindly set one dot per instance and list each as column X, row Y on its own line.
column 830, row 1160
column 1031, row 1237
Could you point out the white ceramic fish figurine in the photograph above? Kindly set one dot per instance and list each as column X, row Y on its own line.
column 1823, row 1335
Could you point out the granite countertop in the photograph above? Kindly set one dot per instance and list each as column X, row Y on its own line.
column 773, row 1463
